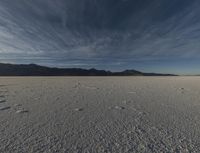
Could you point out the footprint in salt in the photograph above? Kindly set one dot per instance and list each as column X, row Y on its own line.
column 4, row 108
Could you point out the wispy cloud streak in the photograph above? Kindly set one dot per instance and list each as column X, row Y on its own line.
column 104, row 30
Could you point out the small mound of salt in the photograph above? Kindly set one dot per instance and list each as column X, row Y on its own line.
column 119, row 107
column 22, row 111
column 78, row 109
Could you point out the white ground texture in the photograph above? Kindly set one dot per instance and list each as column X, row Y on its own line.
column 99, row 114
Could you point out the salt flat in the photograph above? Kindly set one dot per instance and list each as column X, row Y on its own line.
column 99, row 114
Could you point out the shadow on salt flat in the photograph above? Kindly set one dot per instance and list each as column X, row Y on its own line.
column 92, row 88
column 2, row 101
column 4, row 108
column 3, row 85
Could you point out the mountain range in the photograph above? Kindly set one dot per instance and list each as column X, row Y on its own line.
column 37, row 70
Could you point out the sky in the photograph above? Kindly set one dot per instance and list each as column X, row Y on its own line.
column 147, row 35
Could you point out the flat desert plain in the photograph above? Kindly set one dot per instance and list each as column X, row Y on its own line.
column 99, row 114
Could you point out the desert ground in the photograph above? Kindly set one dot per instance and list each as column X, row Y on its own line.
column 99, row 114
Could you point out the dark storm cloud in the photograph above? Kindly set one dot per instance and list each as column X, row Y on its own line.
column 99, row 30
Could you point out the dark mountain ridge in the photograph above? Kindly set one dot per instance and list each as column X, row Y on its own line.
column 37, row 70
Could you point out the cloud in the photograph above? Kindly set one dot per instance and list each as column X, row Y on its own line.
column 99, row 30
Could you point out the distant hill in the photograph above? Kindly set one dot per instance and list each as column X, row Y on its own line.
column 37, row 70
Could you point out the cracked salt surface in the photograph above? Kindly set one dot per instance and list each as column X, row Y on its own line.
column 157, row 119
